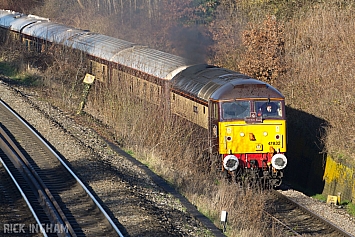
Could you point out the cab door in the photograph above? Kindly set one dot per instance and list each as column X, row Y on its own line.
column 213, row 127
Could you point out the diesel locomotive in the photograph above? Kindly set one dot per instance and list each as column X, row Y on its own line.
column 245, row 118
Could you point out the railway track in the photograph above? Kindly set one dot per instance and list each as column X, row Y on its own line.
column 14, row 209
column 58, row 203
column 296, row 220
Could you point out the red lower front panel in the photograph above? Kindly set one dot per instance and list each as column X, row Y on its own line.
column 260, row 160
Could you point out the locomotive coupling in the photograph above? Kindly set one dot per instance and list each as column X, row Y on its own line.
column 230, row 162
column 279, row 161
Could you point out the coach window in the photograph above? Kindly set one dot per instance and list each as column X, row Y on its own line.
column 151, row 92
column 104, row 72
column 90, row 67
column 32, row 45
column 195, row 109
column 38, row 47
column 144, row 87
column 131, row 87
column 138, row 87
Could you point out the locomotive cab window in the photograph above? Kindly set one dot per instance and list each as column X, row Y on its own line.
column 235, row 109
column 271, row 109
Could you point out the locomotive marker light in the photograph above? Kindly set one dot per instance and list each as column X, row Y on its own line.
column 230, row 162
column 224, row 220
column 279, row 161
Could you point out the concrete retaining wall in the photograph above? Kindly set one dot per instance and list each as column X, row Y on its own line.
column 339, row 178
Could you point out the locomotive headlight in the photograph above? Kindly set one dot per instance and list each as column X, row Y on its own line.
column 279, row 161
column 230, row 162
column 265, row 134
column 242, row 134
column 277, row 137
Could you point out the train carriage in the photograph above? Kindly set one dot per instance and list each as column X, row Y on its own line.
column 245, row 118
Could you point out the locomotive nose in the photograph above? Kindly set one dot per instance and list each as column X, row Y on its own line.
column 279, row 161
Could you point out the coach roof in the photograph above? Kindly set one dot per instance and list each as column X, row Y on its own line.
column 153, row 62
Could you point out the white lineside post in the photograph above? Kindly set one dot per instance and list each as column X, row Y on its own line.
column 224, row 220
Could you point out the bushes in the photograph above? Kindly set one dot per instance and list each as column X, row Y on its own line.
column 20, row 5
column 264, row 57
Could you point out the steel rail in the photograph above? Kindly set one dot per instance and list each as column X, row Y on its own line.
column 283, row 224
column 306, row 210
column 25, row 198
column 108, row 218
column 47, row 201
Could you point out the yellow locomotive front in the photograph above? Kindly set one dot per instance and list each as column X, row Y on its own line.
column 249, row 132
column 245, row 131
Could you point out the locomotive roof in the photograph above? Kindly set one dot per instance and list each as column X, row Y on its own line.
column 210, row 82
